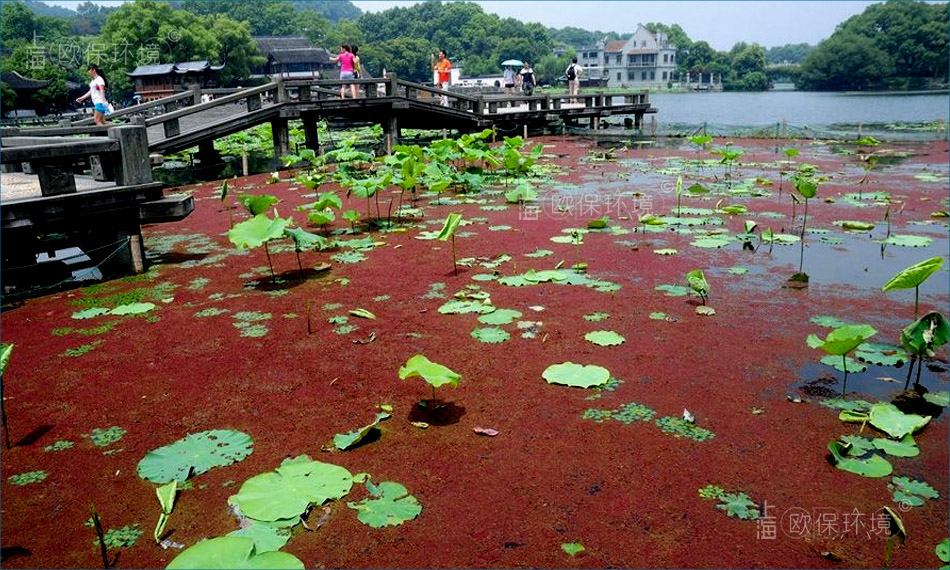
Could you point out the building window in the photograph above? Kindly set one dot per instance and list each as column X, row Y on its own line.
column 643, row 75
column 672, row 58
column 664, row 76
column 632, row 75
column 618, row 76
column 652, row 75
column 619, row 58
column 666, row 58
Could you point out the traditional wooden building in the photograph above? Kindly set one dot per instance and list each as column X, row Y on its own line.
column 161, row 80
column 294, row 57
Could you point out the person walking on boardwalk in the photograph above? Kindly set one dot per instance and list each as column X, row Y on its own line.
column 97, row 91
column 346, row 58
column 444, row 69
column 357, row 68
column 573, row 73
column 527, row 79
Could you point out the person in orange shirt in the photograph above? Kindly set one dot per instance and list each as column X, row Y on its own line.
column 444, row 68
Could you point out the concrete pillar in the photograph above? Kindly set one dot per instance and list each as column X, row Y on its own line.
column 195, row 94
column 131, row 163
column 207, row 154
column 595, row 123
column 638, row 121
column 281, row 138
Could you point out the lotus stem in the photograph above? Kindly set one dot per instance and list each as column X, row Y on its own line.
column 101, row 535
column 801, row 260
column 454, row 265
column 916, row 300
column 3, row 412
column 269, row 262
column 844, row 363
column 299, row 265
column 919, row 366
column 910, row 370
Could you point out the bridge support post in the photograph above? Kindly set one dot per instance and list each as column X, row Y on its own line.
column 391, row 133
column 281, row 138
column 207, row 155
column 595, row 123
column 638, row 121
column 131, row 165
column 310, row 131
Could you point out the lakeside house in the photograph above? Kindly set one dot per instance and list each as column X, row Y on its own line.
column 156, row 81
column 646, row 59
column 293, row 57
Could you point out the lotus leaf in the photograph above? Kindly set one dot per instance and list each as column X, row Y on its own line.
column 391, row 505
column 875, row 466
column 195, row 454
column 258, row 230
column 267, row 538
column 344, row 441
column 912, row 487
column 922, row 336
column 500, row 317
column 257, row 204
column 90, row 313
column 908, row 241
column 573, row 548
column 490, row 335
column 132, row 309
column 460, row 307
column 604, row 338
column 710, row 242
column 451, row 224
column 289, row 491
column 233, row 552
column 895, row 423
column 941, row 399
column 435, row 374
column 906, row 447
column 843, row 340
column 738, row 505
column 577, row 375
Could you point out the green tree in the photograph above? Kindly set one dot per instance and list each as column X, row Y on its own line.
column 788, row 53
column 332, row 10
column 845, row 61
column 8, row 100
column 265, row 17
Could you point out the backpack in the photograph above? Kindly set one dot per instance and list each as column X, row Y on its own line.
column 571, row 73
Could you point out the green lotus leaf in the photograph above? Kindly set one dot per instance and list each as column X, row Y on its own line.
column 304, row 240
column 942, row 550
column 697, row 282
column 267, row 538
column 577, row 375
column 907, row 499
column 321, row 217
column 874, row 467
column 289, row 491
column 258, row 230
column 544, row 276
column 435, row 374
column 881, row 354
column 924, row 335
column 132, row 309
column 391, row 505
column 853, row 225
column 838, row 363
column 604, row 338
column 598, row 224
column 672, row 290
column 344, row 441
column 912, row 487
column 844, row 339
column 895, row 423
column 710, row 242
column 738, row 505
column 941, row 399
column 257, row 204
column 451, row 224
column 596, row 317
column 500, row 317
column 90, row 313
column 573, row 548
column 737, row 270
column 859, row 445
column 657, row 316
column 232, row 552
column 906, row 447
column 490, row 335
column 195, row 454
column 539, row 253
column 908, row 241
column 461, row 307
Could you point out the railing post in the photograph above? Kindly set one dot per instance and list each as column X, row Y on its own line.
column 492, row 107
column 195, row 94
column 557, row 103
column 392, row 86
column 281, row 134
column 280, row 95
column 131, row 164
column 310, row 131
column 253, row 102
column 303, row 93
column 479, row 105
column 172, row 128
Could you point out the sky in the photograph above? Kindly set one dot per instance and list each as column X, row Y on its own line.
column 721, row 23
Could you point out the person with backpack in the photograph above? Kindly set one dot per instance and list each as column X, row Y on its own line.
column 573, row 73
column 527, row 79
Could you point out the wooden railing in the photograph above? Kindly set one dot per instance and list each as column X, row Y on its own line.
column 122, row 157
column 166, row 104
column 251, row 97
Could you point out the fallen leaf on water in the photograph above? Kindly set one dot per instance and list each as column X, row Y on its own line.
column 322, row 267
column 831, row 556
column 420, row 425
column 794, row 399
column 486, row 431
column 886, row 379
column 757, row 411
column 536, row 308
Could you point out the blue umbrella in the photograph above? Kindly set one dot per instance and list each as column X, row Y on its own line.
column 512, row 62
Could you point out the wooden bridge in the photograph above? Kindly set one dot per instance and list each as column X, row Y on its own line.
column 120, row 195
